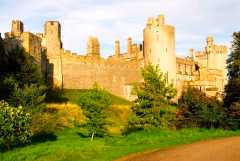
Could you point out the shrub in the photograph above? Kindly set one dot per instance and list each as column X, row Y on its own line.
column 14, row 125
column 94, row 104
column 198, row 110
column 43, row 124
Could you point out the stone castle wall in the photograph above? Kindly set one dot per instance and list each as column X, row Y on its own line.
column 81, row 72
column 204, row 69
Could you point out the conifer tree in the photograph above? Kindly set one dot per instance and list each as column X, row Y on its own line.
column 232, row 89
column 94, row 104
column 153, row 95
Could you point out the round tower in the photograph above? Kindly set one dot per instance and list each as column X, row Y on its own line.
column 159, row 47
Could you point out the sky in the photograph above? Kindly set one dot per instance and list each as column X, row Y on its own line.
column 110, row 20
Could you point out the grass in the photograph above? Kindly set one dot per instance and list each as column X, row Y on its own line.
column 70, row 146
column 73, row 95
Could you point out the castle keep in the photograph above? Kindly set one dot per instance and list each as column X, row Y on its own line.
column 204, row 69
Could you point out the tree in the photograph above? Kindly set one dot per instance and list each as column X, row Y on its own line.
column 14, row 125
column 94, row 103
column 153, row 95
column 18, row 76
column 232, row 89
column 198, row 110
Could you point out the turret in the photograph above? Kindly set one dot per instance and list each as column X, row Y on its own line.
column 117, row 48
column 52, row 33
column 191, row 53
column 129, row 46
column 159, row 46
column 93, row 46
column 17, row 28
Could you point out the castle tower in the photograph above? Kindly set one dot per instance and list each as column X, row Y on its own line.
column 191, row 53
column 117, row 48
column 17, row 28
column 210, row 54
column 216, row 55
column 129, row 46
column 93, row 46
column 52, row 34
column 159, row 46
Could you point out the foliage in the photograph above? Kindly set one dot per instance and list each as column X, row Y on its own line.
column 56, row 95
column 198, row 110
column 20, row 79
column 69, row 146
column 233, row 116
column 14, row 125
column 232, row 89
column 152, row 101
column 43, row 124
column 94, row 104
column 28, row 96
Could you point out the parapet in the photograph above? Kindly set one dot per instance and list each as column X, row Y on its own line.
column 158, row 23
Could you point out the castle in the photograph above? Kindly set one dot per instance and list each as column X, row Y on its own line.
column 205, row 69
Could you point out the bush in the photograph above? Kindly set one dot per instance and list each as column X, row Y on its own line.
column 43, row 124
column 94, row 104
column 198, row 110
column 14, row 125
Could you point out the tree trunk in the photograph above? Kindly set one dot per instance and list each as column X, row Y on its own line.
column 92, row 136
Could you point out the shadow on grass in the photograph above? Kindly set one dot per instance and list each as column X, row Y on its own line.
column 40, row 138
column 56, row 95
column 36, row 139
column 82, row 135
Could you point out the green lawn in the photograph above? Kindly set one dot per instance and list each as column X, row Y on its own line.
column 69, row 146
column 72, row 96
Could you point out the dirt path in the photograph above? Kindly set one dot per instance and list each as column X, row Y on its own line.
column 227, row 149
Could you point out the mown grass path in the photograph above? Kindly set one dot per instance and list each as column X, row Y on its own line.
column 227, row 149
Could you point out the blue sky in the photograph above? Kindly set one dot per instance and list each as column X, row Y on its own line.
column 118, row 19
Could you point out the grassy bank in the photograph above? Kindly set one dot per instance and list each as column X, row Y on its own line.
column 72, row 96
column 70, row 146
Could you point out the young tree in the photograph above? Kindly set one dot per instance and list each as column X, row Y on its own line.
column 94, row 103
column 153, row 95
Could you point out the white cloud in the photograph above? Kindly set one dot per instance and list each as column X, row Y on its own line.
column 110, row 20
